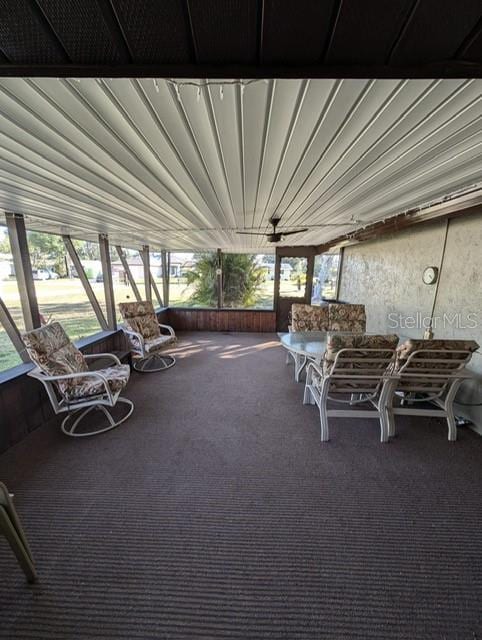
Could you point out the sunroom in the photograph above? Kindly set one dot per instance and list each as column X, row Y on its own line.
column 240, row 318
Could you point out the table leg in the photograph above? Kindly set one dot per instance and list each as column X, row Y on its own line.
column 300, row 363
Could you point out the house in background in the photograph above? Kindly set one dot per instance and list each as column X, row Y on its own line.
column 285, row 270
column 136, row 267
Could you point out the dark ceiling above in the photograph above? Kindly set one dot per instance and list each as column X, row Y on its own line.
column 241, row 38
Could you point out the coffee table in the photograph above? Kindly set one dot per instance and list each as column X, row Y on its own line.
column 304, row 346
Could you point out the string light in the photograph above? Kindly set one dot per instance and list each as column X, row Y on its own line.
column 214, row 83
column 178, row 84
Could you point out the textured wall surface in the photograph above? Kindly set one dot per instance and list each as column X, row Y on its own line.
column 386, row 275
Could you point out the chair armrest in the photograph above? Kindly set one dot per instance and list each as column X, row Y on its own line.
column 166, row 326
column 312, row 366
column 91, row 356
column 139, row 336
column 44, row 377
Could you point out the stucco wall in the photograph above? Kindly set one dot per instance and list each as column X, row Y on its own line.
column 386, row 275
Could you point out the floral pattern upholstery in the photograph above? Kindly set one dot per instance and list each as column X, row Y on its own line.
column 307, row 317
column 158, row 343
column 141, row 318
column 337, row 341
column 411, row 345
column 361, row 342
column 117, row 378
column 52, row 351
column 347, row 317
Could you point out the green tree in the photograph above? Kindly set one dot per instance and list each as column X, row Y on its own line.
column 47, row 250
column 241, row 280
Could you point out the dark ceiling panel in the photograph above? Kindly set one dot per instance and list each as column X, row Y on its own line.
column 225, row 30
column 156, row 30
column 365, row 31
column 296, row 31
column 25, row 37
column 80, row 26
column 473, row 52
column 436, row 31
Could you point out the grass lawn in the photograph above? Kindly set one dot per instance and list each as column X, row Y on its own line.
column 64, row 300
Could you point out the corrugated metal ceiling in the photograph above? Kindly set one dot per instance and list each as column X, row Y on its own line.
column 152, row 161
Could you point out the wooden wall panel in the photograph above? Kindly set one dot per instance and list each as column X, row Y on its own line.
column 222, row 320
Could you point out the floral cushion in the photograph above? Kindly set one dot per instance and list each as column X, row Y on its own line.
column 117, row 378
column 337, row 341
column 347, row 317
column 141, row 318
column 52, row 351
column 307, row 317
column 412, row 345
column 158, row 343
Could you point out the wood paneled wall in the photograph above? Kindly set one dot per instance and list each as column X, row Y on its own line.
column 222, row 320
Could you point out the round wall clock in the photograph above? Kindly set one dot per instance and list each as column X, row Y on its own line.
column 430, row 275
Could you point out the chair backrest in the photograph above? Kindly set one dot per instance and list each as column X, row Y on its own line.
column 428, row 366
column 141, row 318
column 307, row 317
column 52, row 351
column 358, row 362
column 347, row 317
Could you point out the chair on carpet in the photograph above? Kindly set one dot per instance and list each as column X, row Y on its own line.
column 71, row 387
column 353, row 373
column 11, row 528
column 428, row 371
column 146, row 341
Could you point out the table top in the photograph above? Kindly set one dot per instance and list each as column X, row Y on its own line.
column 307, row 343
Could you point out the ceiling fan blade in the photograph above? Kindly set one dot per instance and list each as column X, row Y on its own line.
column 250, row 233
column 290, row 233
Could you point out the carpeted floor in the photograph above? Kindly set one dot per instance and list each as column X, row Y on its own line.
column 215, row 512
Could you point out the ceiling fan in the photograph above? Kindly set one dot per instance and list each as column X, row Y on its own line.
column 276, row 236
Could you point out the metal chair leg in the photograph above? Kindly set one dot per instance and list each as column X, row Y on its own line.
column 21, row 553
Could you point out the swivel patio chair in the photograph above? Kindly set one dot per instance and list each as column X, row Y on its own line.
column 425, row 379
column 353, row 373
column 71, row 387
column 11, row 528
column 146, row 341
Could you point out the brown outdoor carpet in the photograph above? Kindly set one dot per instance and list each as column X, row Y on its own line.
column 215, row 512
